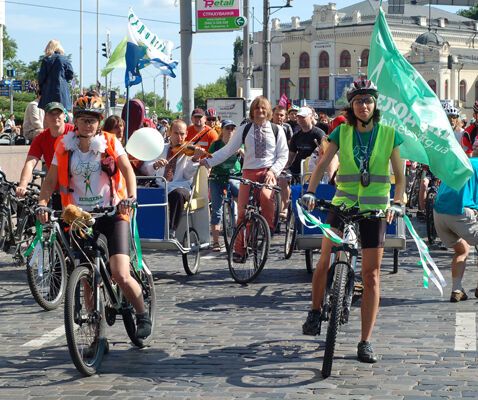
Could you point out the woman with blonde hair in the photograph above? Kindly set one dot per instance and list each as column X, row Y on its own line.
column 55, row 73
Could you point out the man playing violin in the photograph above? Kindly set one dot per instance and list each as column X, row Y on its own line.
column 177, row 165
column 198, row 133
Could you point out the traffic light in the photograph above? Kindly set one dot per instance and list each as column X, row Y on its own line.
column 112, row 98
column 104, row 50
column 450, row 61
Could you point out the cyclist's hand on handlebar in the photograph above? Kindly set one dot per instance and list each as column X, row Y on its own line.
column 124, row 206
column 270, row 178
column 394, row 210
column 20, row 191
column 308, row 200
column 42, row 214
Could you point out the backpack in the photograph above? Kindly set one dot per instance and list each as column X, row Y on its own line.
column 246, row 130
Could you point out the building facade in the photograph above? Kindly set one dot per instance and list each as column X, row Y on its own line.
column 316, row 59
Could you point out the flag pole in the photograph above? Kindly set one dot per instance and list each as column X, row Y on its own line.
column 127, row 115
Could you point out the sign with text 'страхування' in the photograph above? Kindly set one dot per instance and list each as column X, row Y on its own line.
column 218, row 15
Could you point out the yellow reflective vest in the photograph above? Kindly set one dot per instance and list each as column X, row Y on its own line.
column 349, row 188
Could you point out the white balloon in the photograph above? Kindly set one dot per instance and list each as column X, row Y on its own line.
column 145, row 144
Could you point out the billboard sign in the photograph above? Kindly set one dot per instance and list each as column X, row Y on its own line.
column 341, row 85
column 233, row 108
column 219, row 15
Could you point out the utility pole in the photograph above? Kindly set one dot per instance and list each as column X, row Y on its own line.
column 97, row 41
column 246, row 61
column 185, row 9
column 108, row 55
column 266, row 39
column 165, row 91
column 81, row 46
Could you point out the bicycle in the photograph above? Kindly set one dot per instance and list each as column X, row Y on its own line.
column 93, row 299
column 339, row 291
column 429, row 203
column 228, row 217
column 251, row 238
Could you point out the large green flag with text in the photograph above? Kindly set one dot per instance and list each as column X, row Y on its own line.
column 407, row 103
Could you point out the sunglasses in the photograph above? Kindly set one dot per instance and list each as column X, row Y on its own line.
column 211, row 119
column 364, row 101
column 88, row 121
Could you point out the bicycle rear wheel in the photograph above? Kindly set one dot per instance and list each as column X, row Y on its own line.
column 145, row 279
column 290, row 233
column 228, row 223
column 191, row 260
column 277, row 209
column 336, row 307
column 4, row 231
column 249, row 249
column 47, row 276
column 84, row 326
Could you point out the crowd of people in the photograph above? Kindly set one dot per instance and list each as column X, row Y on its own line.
column 88, row 166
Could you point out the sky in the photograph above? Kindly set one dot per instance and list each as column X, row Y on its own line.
column 32, row 23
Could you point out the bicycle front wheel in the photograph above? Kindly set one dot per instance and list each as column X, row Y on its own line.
column 228, row 223
column 84, row 326
column 145, row 279
column 290, row 233
column 47, row 276
column 336, row 307
column 249, row 249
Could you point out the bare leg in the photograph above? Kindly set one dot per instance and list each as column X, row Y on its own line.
column 119, row 264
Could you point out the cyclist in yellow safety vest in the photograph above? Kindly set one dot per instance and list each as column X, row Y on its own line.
column 363, row 180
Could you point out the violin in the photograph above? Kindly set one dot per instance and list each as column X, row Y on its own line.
column 186, row 149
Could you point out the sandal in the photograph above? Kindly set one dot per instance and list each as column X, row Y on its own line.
column 216, row 246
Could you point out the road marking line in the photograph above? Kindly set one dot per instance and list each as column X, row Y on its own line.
column 46, row 338
column 465, row 331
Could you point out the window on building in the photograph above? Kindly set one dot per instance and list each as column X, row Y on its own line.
column 286, row 63
column 303, row 88
column 323, row 87
column 364, row 58
column 345, row 59
column 463, row 90
column 446, row 89
column 323, row 59
column 304, row 61
column 433, row 85
column 284, row 87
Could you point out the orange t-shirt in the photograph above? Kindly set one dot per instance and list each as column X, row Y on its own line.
column 204, row 139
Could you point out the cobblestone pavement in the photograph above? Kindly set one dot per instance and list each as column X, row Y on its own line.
column 219, row 340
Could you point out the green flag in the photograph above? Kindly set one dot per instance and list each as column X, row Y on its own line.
column 407, row 103
column 117, row 59
column 179, row 106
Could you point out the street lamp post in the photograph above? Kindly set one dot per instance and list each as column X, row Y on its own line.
column 359, row 64
column 266, row 45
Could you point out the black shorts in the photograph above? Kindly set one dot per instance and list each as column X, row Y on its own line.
column 117, row 233
column 371, row 230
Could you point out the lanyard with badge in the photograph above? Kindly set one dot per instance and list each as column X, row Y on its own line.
column 364, row 163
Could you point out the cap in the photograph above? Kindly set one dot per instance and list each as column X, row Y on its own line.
column 54, row 105
column 164, row 121
column 293, row 108
column 227, row 122
column 304, row 112
column 198, row 111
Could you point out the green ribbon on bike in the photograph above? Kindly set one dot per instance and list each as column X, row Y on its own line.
column 136, row 243
column 425, row 259
column 38, row 237
column 310, row 221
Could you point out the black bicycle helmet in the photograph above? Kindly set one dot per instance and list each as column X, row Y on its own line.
column 362, row 86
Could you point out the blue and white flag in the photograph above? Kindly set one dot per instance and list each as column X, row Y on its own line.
column 144, row 48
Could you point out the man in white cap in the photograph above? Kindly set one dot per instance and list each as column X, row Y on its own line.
column 303, row 143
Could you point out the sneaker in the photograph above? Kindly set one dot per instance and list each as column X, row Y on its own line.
column 238, row 258
column 365, row 352
column 312, row 324
column 216, row 247
column 459, row 295
column 143, row 325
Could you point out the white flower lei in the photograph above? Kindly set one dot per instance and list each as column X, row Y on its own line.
column 97, row 143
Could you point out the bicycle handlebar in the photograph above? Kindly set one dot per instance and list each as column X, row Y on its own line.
column 256, row 185
column 352, row 214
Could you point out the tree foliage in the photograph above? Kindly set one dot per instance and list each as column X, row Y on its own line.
column 472, row 12
column 9, row 47
column 211, row 90
column 231, row 83
column 148, row 100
